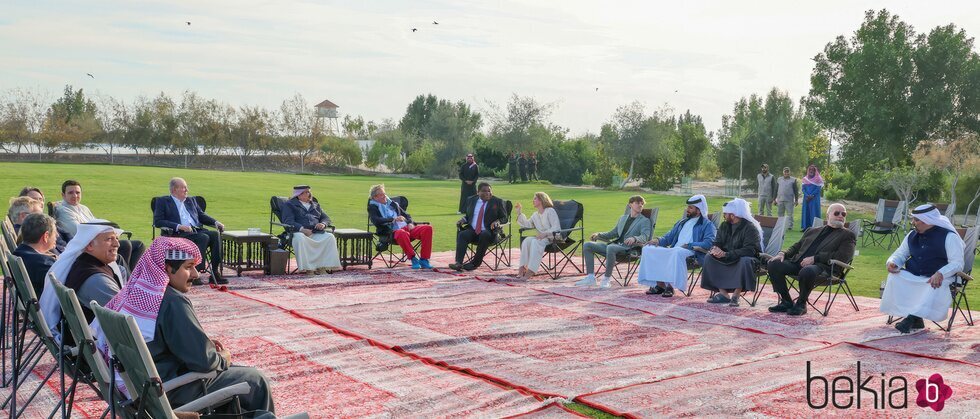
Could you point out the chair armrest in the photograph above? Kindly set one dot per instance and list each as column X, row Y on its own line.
column 302, row 415
column 287, row 227
column 964, row 276
column 841, row 264
column 128, row 234
column 425, row 223
column 215, row 398
column 330, row 227
column 166, row 231
column 765, row 256
column 187, row 379
column 700, row 249
column 523, row 229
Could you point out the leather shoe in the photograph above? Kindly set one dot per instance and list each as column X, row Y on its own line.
column 656, row 290
column 669, row 292
column 797, row 310
column 782, row 307
column 469, row 267
column 456, row 267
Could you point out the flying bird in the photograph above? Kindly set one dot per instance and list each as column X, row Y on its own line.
column 675, row 91
column 414, row 30
column 435, row 23
column 597, row 89
column 90, row 75
column 188, row 24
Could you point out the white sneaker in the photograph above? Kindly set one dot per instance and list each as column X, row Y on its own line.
column 605, row 282
column 588, row 281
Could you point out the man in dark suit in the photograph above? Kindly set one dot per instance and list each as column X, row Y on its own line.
column 182, row 215
column 522, row 167
column 469, row 173
column 39, row 237
column 810, row 258
column 484, row 215
column 512, row 167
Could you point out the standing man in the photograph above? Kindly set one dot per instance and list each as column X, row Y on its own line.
column 182, row 215
column 767, row 187
column 484, row 215
column 532, row 167
column 921, row 270
column 512, row 167
column 522, row 166
column 469, row 172
column 810, row 259
column 787, row 195
column 70, row 212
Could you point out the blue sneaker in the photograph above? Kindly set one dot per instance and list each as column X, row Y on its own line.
column 415, row 263
column 425, row 264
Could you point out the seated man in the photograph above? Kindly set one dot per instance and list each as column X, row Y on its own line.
column 810, row 258
column 733, row 255
column 663, row 265
column 316, row 249
column 921, row 270
column 35, row 193
column 70, row 212
column 390, row 218
column 87, row 266
column 182, row 215
column 38, row 238
column 155, row 298
column 21, row 207
column 631, row 230
column 484, row 213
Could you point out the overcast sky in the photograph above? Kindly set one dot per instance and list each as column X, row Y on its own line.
column 363, row 56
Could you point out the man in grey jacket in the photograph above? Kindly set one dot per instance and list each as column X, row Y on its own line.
column 632, row 230
column 767, row 187
column 787, row 195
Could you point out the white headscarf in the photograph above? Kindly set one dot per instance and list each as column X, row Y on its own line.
column 701, row 203
column 929, row 214
column 741, row 209
column 50, row 307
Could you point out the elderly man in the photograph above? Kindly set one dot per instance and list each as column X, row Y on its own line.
column 810, row 259
column 21, row 207
column 389, row 217
column 632, row 230
column 731, row 265
column 316, row 249
column 921, row 270
column 70, row 212
column 87, row 266
column 30, row 192
column 484, row 213
column 38, row 240
column 787, row 196
column 663, row 265
column 182, row 215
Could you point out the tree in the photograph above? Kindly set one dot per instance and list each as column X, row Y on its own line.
column 70, row 121
column 113, row 116
column 957, row 156
column 23, row 117
column 694, row 141
column 249, row 132
column 524, row 126
column 623, row 136
column 451, row 129
column 305, row 132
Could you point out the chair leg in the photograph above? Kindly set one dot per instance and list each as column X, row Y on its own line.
column 758, row 291
column 690, row 281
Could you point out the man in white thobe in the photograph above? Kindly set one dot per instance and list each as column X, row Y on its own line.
column 922, row 269
column 316, row 249
column 663, row 265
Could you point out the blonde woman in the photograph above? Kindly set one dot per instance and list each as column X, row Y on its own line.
column 545, row 221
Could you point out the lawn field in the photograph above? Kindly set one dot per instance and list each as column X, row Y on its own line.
column 241, row 200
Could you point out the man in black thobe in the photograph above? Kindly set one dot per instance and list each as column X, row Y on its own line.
column 469, row 172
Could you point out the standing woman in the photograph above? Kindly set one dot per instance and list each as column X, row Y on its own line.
column 545, row 221
column 812, row 186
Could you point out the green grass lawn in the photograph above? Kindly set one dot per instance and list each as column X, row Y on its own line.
column 241, row 200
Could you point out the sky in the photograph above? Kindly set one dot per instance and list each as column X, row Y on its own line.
column 585, row 58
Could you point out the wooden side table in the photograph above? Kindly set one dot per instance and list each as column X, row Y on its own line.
column 355, row 247
column 246, row 251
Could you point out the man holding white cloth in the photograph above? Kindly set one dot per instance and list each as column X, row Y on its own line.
column 921, row 270
column 663, row 265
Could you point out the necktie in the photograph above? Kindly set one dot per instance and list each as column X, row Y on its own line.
column 479, row 219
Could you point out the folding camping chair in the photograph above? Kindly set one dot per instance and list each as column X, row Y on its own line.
column 560, row 253
column 958, row 288
column 384, row 244
column 888, row 224
column 9, row 234
column 500, row 247
column 632, row 257
column 773, row 233
column 286, row 236
column 164, row 231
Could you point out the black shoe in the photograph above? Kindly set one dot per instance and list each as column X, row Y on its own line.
column 669, row 292
column 905, row 326
column 656, row 290
column 918, row 323
column 469, row 267
column 782, row 307
column 456, row 267
column 797, row 310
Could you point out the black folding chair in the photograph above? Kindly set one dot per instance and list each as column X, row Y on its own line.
column 961, row 305
column 286, row 236
column 165, row 231
column 384, row 244
column 561, row 252
column 631, row 258
column 500, row 248
column 887, row 224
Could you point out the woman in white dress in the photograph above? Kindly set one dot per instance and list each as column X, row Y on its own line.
column 545, row 221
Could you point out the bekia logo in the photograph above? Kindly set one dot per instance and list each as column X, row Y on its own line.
column 845, row 392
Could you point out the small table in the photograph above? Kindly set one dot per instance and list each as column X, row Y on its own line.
column 355, row 247
column 246, row 251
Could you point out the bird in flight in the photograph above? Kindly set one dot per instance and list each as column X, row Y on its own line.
column 597, row 89
column 435, row 23
column 188, row 23
column 414, row 29
column 90, row 75
column 675, row 91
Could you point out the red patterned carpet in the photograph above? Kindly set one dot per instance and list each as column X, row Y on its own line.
column 397, row 343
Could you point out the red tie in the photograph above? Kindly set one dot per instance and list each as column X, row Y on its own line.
column 479, row 219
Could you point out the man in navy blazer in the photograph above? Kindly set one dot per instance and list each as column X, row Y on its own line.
column 484, row 215
column 187, row 221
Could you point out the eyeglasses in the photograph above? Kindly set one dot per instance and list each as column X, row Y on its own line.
column 840, row 213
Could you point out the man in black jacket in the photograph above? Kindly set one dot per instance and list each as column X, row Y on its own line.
column 484, row 215
column 188, row 221
column 810, row 258
column 315, row 247
column 39, row 238
column 469, row 173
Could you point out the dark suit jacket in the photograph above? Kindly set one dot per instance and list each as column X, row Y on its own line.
column 383, row 224
column 166, row 215
column 839, row 245
column 294, row 214
column 37, row 265
column 495, row 211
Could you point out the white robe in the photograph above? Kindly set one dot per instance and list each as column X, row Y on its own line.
column 316, row 251
column 664, row 264
column 907, row 294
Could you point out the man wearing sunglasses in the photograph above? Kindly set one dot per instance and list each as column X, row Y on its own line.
column 809, row 259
